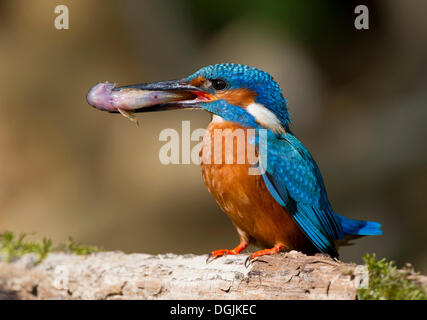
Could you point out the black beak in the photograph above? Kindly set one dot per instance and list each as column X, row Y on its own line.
column 155, row 96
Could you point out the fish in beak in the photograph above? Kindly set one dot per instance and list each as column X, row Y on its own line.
column 155, row 96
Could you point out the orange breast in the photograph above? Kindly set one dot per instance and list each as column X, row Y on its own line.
column 245, row 198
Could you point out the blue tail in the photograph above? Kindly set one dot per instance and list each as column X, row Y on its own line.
column 359, row 227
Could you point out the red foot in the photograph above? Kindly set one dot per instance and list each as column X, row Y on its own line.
column 219, row 253
column 276, row 249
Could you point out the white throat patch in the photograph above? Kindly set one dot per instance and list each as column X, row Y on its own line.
column 216, row 118
column 265, row 117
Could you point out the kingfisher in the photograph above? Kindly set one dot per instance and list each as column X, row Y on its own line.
column 285, row 206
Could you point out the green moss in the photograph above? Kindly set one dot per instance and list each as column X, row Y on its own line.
column 12, row 247
column 386, row 282
column 78, row 248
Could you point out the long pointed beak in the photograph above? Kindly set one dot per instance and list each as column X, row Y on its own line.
column 155, row 96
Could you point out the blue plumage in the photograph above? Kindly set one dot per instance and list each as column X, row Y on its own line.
column 359, row 227
column 285, row 208
column 291, row 174
column 257, row 80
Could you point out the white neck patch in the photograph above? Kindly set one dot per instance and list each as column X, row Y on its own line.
column 265, row 117
column 216, row 118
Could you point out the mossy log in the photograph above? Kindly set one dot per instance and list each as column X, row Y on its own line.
column 116, row 275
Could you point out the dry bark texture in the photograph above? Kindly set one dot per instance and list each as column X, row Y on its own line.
column 115, row 275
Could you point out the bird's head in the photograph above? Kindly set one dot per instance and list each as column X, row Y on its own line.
column 234, row 92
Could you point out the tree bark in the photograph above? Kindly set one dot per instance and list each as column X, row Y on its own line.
column 115, row 275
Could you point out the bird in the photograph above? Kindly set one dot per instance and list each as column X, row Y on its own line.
column 285, row 205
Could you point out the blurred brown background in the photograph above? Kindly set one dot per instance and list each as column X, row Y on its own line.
column 358, row 101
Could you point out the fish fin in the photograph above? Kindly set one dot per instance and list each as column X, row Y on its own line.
column 130, row 115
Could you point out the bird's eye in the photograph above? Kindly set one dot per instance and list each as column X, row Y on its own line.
column 218, row 84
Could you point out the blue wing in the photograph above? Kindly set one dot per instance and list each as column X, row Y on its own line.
column 294, row 180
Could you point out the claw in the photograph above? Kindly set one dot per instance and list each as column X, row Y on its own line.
column 211, row 258
column 222, row 252
column 216, row 254
column 276, row 249
column 249, row 261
